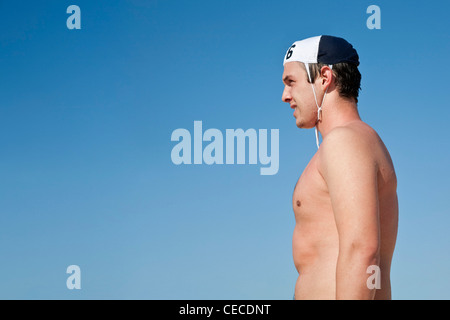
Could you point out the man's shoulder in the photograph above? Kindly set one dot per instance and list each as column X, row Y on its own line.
column 355, row 141
column 356, row 134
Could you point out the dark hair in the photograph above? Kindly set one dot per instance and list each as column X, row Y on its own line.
column 347, row 78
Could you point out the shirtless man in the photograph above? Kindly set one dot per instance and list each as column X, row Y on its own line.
column 345, row 202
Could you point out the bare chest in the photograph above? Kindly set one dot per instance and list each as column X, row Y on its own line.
column 310, row 199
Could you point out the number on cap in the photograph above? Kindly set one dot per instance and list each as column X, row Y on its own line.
column 289, row 53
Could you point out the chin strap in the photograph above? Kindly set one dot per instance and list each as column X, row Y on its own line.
column 319, row 108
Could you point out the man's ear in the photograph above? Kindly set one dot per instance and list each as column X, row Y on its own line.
column 326, row 75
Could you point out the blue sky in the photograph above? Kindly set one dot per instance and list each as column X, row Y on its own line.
column 86, row 118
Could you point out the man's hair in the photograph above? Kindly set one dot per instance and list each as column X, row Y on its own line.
column 347, row 78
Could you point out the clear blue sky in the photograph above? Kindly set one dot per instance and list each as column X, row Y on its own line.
column 85, row 123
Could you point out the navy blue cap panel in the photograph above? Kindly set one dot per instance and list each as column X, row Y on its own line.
column 333, row 50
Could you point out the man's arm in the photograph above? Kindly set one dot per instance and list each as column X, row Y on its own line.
column 349, row 169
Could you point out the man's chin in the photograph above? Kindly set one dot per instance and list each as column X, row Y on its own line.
column 302, row 125
column 299, row 124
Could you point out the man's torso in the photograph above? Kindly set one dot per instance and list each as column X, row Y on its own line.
column 315, row 240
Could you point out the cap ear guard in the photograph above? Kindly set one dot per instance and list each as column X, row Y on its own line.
column 319, row 108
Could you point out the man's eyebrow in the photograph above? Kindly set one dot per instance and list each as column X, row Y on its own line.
column 286, row 77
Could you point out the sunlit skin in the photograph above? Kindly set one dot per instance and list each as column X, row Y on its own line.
column 345, row 201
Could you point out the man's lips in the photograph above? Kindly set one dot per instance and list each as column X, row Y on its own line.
column 295, row 108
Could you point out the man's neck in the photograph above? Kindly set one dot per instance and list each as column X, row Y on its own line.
column 336, row 113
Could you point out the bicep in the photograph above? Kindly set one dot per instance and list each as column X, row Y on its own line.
column 350, row 172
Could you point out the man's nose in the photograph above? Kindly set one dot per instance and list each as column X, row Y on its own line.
column 286, row 96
